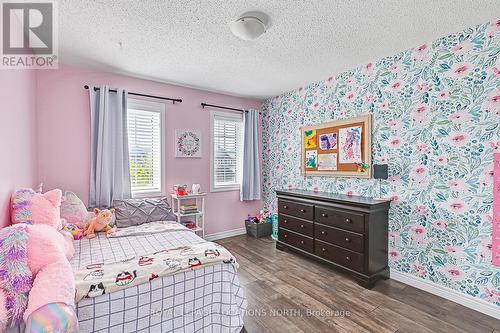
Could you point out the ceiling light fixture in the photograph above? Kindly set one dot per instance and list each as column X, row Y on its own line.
column 250, row 25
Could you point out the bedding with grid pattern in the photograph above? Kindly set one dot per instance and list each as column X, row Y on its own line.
column 207, row 299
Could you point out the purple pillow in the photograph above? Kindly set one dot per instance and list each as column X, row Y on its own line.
column 131, row 212
column 73, row 210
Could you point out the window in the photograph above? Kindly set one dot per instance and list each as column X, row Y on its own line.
column 227, row 150
column 146, row 153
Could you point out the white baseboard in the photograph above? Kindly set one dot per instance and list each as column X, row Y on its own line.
column 226, row 234
column 447, row 293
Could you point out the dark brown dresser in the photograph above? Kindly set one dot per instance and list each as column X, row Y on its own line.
column 345, row 232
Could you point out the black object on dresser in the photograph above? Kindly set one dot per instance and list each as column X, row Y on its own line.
column 346, row 232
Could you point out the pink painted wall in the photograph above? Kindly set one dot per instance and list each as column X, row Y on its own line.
column 64, row 137
column 18, row 161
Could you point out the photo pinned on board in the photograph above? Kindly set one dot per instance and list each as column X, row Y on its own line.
column 328, row 141
column 311, row 159
column 350, row 144
column 310, row 139
column 327, row 162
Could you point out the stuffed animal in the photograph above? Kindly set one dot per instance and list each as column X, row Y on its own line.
column 31, row 207
column 100, row 222
column 34, row 258
column 73, row 230
column 180, row 189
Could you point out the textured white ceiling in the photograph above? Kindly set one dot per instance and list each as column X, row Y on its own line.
column 189, row 42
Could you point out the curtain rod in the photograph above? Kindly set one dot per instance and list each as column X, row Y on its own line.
column 142, row 95
column 223, row 107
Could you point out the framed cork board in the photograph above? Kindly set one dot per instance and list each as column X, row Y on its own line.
column 336, row 148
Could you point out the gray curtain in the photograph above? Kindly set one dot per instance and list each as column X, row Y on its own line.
column 109, row 169
column 251, row 184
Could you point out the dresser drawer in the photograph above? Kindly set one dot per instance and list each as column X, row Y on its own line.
column 338, row 255
column 304, row 211
column 340, row 219
column 294, row 239
column 339, row 237
column 295, row 224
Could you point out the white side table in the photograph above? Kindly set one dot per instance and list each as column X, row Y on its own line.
column 199, row 217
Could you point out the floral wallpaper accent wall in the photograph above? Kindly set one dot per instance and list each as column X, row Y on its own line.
column 436, row 122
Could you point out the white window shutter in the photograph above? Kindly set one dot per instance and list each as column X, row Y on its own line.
column 145, row 150
column 227, row 151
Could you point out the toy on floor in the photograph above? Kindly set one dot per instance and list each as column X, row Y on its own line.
column 262, row 217
column 100, row 222
column 259, row 225
column 73, row 230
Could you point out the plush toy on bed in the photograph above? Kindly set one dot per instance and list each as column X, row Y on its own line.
column 73, row 230
column 34, row 259
column 100, row 222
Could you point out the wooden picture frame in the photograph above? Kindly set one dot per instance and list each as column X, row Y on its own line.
column 337, row 161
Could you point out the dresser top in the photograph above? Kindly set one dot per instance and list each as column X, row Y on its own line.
column 335, row 198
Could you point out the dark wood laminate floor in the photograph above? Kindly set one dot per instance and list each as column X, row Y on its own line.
column 289, row 293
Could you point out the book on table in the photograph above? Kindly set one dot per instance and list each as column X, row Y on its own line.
column 189, row 209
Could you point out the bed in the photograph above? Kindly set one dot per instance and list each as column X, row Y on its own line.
column 206, row 299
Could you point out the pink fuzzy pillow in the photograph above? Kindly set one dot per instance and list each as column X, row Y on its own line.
column 36, row 208
column 73, row 210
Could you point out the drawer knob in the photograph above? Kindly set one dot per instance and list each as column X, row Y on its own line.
column 302, row 226
column 285, row 221
column 303, row 210
column 285, row 235
column 285, row 207
column 347, row 220
column 324, row 215
column 347, row 239
column 323, row 249
column 302, row 242
column 323, row 233
column 348, row 258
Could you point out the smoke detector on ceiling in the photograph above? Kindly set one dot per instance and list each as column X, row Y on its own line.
column 250, row 25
